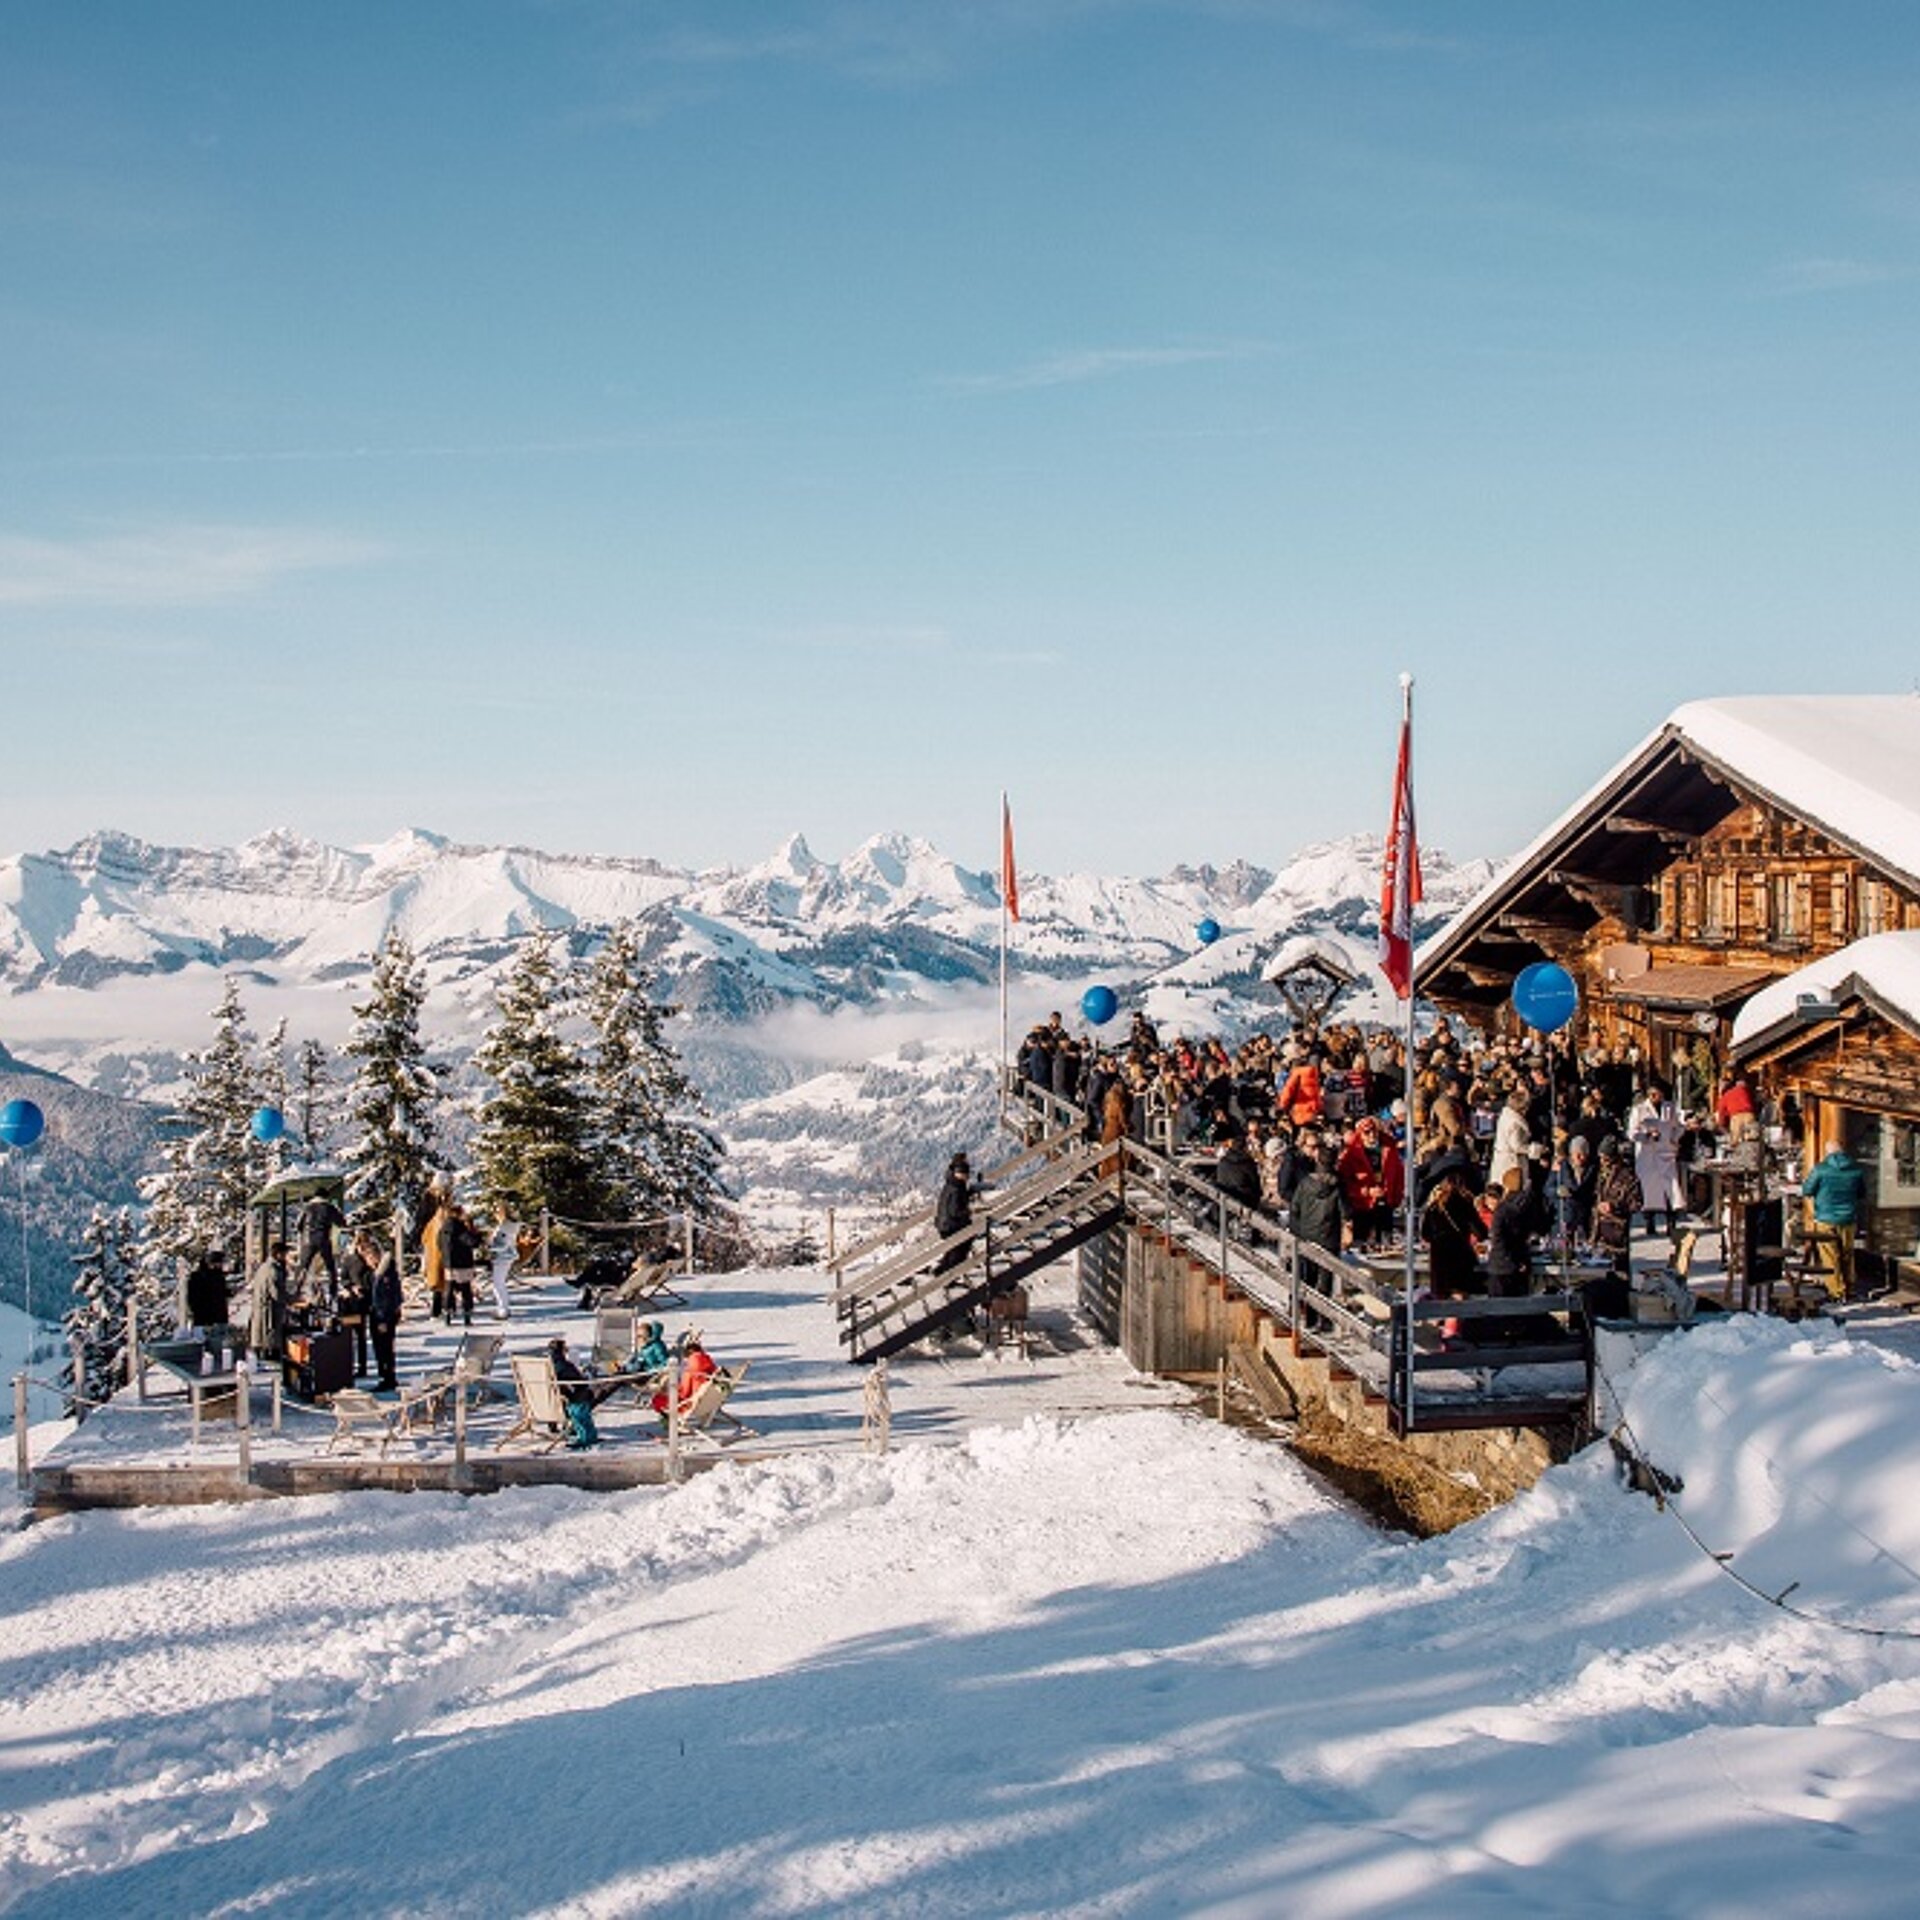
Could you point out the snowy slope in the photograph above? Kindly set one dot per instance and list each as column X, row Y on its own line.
column 1135, row 1665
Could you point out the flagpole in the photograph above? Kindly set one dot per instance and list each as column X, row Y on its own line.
column 1407, row 1154
column 1005, row 933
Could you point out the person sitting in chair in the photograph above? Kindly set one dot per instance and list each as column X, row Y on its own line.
column 650, row 1351
column 697, row 1367
column 581, row 1431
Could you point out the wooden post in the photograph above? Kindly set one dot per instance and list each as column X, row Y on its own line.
column 673, row 1424
column 243, row 1418
column 830, row 1235
column 77, row 1360
column 133, row 1342
column 546, row 1243
column 1220, row 1391
column 686, row 1227
column 22, row 1471
column 460, row 1421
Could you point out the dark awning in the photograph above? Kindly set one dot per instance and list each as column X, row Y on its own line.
column 1691, row 989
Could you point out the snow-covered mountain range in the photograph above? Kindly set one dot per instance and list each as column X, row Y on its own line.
column 843, row 1015
column 896, row 915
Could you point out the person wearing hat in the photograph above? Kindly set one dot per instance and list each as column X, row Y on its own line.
column 207, row 1290
column 1616, row 1199
column 953, row 1211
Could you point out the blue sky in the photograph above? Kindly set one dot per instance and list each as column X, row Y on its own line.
column 652, row 428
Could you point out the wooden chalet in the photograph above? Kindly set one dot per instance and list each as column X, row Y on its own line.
column 1751, row 846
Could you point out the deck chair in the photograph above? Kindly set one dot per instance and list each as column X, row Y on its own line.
column 473, row 1366
column 708, row 1407
column 423, row 1404
column 612, row 1337
column 543, row 1408
column 357, row 1418
column 647, row 1286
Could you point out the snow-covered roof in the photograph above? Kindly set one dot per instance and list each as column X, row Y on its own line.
column 1846, row 764
column 1884, row 969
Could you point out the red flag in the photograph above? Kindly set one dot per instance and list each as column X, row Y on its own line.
column 1009, row 874
column 1400, row 870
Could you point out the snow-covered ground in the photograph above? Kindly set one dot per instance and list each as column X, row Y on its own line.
column 1123, row 1664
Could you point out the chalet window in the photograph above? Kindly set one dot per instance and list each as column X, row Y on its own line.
column 1872, row 917
column 1792, row 905
column 1837, row 906
column 1689, row 903
column 1715, row 889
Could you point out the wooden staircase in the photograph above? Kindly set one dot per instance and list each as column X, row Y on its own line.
column 1039, row 1207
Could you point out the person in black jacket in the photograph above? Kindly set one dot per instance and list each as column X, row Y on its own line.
column 1235, row 1172
column 1317, row 1206
column 460, row 1249
column 384, row 1301
column 207, row 1291
column 953, row 1211
column 1510, row 1237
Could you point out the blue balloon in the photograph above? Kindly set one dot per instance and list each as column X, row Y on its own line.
column 1099, row 1004
column 21, row 1123
column 268, row 1124
column 1208, row 930
column 1545, row 996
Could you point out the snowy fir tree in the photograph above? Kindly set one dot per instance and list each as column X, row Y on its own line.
column 314, row 1099
column 108, row 1277
column 390, row 1126
column 211, row 1165
column 276, row 1091
column 535, row 1143
column 655, row 1156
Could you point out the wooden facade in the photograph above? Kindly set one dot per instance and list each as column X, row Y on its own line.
column 1673, row 893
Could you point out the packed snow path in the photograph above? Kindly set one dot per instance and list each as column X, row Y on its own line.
column 1132, row 1665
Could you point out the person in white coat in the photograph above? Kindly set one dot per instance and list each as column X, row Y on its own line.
column 502, row 1251
column 1511, row 1138
column 1653, row 1125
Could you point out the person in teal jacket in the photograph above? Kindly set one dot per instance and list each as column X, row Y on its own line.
column 1836, row 1189
column 651, row 1355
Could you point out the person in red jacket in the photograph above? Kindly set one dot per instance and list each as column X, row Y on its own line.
column 697, row 1367
column 1373, row 1182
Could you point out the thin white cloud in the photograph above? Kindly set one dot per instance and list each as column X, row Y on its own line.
column 884, row 638
column 1828, row 273
column 172, row 566
column 1081, row 364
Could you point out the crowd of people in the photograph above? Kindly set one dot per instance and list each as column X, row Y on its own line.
column 1512, row 1140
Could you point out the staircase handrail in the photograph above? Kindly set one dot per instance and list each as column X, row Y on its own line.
column 996, row 1209
column 1028, row 1226
column 908, row 1223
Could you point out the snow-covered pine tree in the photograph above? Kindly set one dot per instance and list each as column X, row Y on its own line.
column 108, row 1277
column 314, row 1099
column 210, row 1163
column 390, row 1127
column 534, row 1145
column 99, row 1289
column 276, row 1091
column 655, row 1156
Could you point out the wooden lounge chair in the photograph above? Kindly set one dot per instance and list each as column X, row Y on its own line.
column 357, row 1418
column 647, row 1285
column 543, row 1408
column 708, row 1406
column 612, row 1338
column 1007, row 1320
column 473, row 1366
